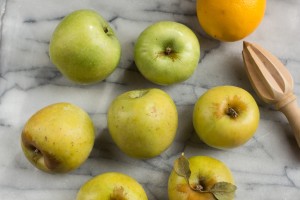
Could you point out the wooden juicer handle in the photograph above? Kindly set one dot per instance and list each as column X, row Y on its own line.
column 289, row 107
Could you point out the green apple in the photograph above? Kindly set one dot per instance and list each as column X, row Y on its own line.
column 201, row 178
column 58, row 138
column 225, row 117
column 143, row 123
column 167, row 52
column 111, row 186
column 84, row 47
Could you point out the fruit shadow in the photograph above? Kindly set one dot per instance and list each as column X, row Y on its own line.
column 133, row 79
column 104, row 146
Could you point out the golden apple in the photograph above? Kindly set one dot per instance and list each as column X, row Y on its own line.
column 84, row 47
column 167, row 52
column 200, row 178
column 58, row 138
column 143, row 123
column 225, row 117
column 111, row 186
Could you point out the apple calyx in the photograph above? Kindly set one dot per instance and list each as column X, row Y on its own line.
column 107, row 31
column 231, row 112
column 118, row 194
column 220, row 190
column 37, row 154
column 168, row 51
column 234, row 107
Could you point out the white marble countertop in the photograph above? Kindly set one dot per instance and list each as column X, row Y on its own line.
column 266, row 167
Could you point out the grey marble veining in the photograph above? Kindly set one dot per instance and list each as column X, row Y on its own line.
column 266, row 167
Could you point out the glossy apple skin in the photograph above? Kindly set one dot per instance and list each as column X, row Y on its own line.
column 211, row 169
column 163, row 69
column 143, row 123
column 58, row 138
column 84, row 47
column 215, row 127
column 103, row 185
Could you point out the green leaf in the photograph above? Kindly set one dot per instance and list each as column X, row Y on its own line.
column 182, row 167
column 223, row 191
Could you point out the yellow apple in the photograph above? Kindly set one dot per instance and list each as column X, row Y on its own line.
column 225, row 117
column 58, row 138
column 84, row 47
column 111, row 186
column 167, row 52
column 205, row 173
column 143, row 123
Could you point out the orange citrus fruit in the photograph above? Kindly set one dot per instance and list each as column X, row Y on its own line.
column 230, row 20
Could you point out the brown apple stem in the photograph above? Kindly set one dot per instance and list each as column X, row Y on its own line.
column 232, row 113
column 197, row 187
column 30, row 146
column 118, row 194
column 105, row 29
column 168, row 51
column 36, row 151
column 292, row 113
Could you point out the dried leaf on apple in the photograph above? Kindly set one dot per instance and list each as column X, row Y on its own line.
column 220, row 190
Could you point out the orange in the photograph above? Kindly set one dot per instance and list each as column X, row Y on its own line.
column 230, row 20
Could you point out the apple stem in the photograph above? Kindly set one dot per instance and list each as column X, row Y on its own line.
column 37, row 154
column 168, row 51
column 36, row 151
column 198, row 187
column 232, row 113
column 105, row 29
column 137, row 93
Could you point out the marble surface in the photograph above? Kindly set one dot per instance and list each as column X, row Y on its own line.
column 266, row 167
